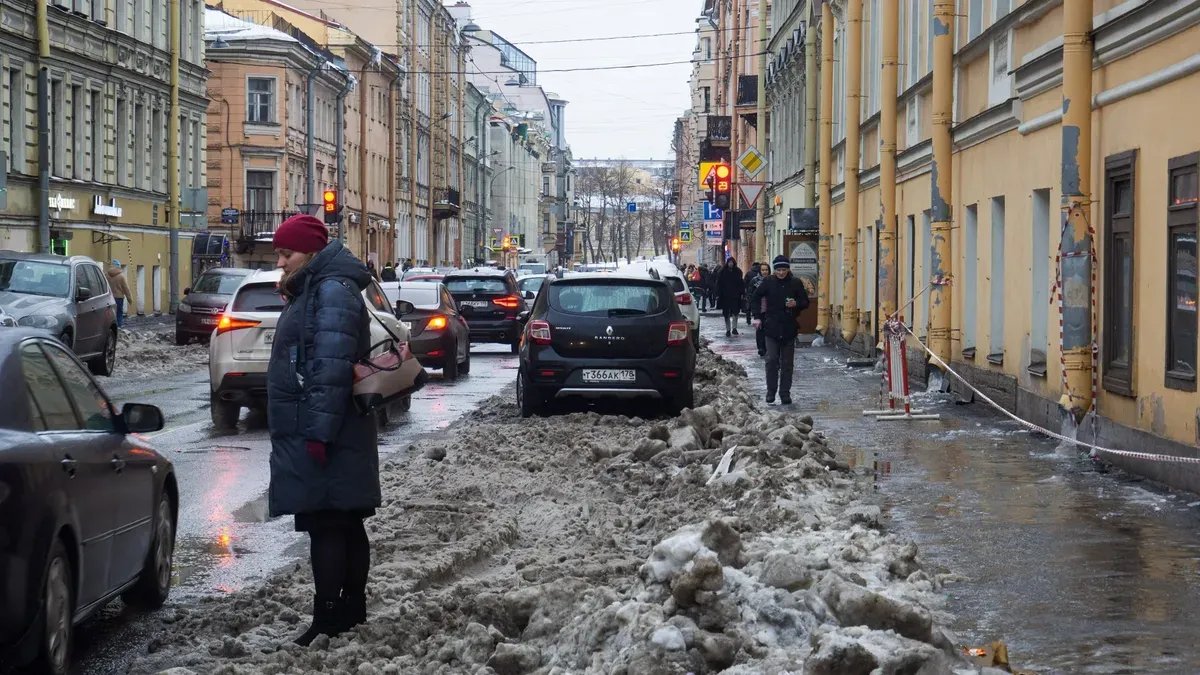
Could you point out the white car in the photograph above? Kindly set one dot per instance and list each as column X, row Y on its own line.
column 671, row 274
column 241, row 346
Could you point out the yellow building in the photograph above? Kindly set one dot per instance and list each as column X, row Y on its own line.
column 1006, row 177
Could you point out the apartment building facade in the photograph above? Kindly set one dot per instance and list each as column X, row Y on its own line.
column 109, row 107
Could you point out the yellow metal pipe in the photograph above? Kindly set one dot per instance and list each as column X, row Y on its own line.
column 889, row 24
column 853, row 149
column 762, row 136
column 942, row 272
column 810, row 115
column 825, row 205
column 1076, row 245
column 176, row 42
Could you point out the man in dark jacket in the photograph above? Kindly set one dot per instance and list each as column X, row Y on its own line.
column 777, row 302
column 751, row 282
column 731, row 288
column 324, row 452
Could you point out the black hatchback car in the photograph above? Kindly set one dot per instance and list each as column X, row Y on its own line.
column 490, row 301
column 201, row 310
column 605, row 336
column 87, row 509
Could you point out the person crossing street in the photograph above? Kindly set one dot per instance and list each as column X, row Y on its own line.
column 777, row 302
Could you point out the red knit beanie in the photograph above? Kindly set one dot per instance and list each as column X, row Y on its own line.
column 302, row 234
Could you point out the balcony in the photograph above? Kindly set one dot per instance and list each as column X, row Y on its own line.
column 747, row 90
column 720, row 128
column 260, row 226
column 446, row 204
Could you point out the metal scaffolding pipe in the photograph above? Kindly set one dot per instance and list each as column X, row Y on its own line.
column 941, row 190
column 825, row 209
column 889, row 23
column 853, row 150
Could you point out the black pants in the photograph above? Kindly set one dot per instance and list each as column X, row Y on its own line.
column 340, row 554
column 760, row 338
column 781, row 355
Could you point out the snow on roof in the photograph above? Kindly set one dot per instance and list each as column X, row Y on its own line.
column 230, row 28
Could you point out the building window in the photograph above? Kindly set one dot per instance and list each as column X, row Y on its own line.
column 1039, row 338
column 158, row 151
column 1000, row 9
column 871, row 100
column 707, row 99
column 260, row 100
column 139, row 146
column 260, row 191
column 1119, row 206
column 122, row 143
column 545, row 186
column 1184, row 186
column 75, row 127
column 16, row 120
column 1000, row 87
column 996, row 283
column 974, row 19
column 970, row 297
column 914, row 41
column 56, row 128
column 707, row 47
column 96, row 118
column 926, row 268
column 910, row 255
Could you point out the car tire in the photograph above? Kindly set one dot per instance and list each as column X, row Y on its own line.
column 529, row 402
column 181, row 339
column 464, row 368
column 58, row 602
column 153, row 586
column 685, row 399
column 67, row 338
column 450, row 364
column 405, row 404
column 106, row 362
column 224, row 413
column 516, row 346
column 696, row 338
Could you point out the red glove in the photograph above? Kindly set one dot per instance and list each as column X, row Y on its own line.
column 316, row 450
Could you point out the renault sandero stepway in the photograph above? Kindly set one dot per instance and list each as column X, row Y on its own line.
column 612, row 335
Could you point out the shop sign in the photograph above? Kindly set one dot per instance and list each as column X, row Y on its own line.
column 59, row 203
column 110, row 209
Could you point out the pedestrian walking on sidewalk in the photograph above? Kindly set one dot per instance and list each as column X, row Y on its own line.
column 764, row 271
column 120, row 289
column 778, row 301
column 324, row 452
column 731, row 287
column 751, row 275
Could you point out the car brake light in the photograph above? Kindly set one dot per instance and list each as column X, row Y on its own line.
column 677, row 333
column 508, row 302
column 539, row 332
column 684, row 298
column 228, row 323
column 436, row 323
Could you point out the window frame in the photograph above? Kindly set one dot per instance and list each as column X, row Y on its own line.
column 1180, row 218
column 49, row 350
column 253, row 99
column 250, row 203
column 1118, row 378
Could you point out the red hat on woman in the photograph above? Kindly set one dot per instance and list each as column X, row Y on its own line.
column 302, row 234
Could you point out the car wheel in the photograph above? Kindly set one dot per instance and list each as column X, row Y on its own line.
column 181, row 339
column 106, row 363
column 528, row 401
column 685, row 399
column 54, row 648
column 68, row 339
column 516, row 345
column 450, row 365
column 696, row 338
column 405, row 404
column 465, row 367
column 154, row 584
column 224, row 413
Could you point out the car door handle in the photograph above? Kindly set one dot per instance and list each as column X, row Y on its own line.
column 69, row 465
column 118, row 464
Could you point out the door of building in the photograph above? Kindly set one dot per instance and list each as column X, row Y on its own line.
column 802, row 251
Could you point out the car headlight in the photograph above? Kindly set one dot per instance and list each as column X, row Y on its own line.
column 184, row 307
column 39, row 321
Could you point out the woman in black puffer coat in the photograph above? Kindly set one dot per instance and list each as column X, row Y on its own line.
column 731, row 287
column 324, row 452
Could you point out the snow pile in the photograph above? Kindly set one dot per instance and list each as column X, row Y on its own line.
column 151, row 352
column 725, row 540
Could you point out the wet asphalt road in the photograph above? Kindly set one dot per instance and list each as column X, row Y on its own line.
column 225, row 541
column 1078, row 569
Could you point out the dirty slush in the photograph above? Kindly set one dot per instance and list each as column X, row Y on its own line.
column 727, row 540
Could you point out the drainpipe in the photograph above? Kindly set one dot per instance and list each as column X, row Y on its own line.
column 825, row 210
column 734, row 137
column 173, row 201
column 340, row 143
column 850, row 311
column 1076, row 246
column 310, row 167
column 43, row 127
column 887, row 288
column 364, row 185
column 763, row 133
column 942, row 272
column 810, row 116
column 393, row 193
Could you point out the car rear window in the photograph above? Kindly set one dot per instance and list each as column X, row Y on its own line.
column 531, row 283
column 604, row 298
column 421, row 298
column 224, row 284
column 476, row 285
column 676, row 284
column 258, row 298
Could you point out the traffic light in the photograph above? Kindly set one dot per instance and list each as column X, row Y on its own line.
column 722, row 185
column 675, row 244
column 333, row 210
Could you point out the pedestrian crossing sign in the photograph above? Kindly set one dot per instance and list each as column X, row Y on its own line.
column 685, row 236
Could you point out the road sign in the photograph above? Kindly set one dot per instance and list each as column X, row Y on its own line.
column 752, row 161
column 230, row 216
column 707, row 170
column 685, row 226
column 631, row 207
column 685, row 236
column 750, row 192
column 711, row 212
column 714, row 232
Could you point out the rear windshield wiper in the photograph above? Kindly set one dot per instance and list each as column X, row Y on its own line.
column 621, row 311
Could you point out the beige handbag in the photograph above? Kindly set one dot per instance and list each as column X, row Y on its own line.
column 394, row 374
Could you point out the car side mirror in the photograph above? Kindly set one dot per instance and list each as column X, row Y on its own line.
column 530, row 295
column 141, row 418
column 523, row 317
column 404, row 307
column 187, row 290
column 83, row 293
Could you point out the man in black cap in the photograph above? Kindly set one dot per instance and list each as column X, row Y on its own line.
column 777, row 302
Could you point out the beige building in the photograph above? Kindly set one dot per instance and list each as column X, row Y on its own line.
column 109, row 91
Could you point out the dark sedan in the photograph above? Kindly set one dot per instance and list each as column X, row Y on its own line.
column 87, row 508
column 438, row 335
column 206, row 299
column 490, row 302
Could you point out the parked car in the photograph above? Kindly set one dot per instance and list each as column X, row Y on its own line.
column 425, row 277
column 205, row 300
column 605, row 335
column 530, row 285
column 67, row 297
column 87, row 507
column 669, row 273
column 438, row 334
column 417, row 271
column 490, row 301
column 241, row 346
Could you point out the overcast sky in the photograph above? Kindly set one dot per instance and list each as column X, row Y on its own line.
column 616, row 113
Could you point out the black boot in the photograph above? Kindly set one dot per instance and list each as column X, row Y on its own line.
column 353, row 611
column 326, row 621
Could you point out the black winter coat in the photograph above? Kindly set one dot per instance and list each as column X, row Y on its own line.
column 769, row 304
column 323, row 330
column 731, row 286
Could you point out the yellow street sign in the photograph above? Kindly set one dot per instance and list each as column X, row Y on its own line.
column 752, row 161
column 705, row 169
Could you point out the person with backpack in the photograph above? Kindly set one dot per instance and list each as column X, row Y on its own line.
column 778, row 301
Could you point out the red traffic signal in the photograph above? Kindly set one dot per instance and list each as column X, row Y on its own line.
column 675, row 244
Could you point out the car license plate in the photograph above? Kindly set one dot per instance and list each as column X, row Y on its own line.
column 609, row 375
column 474, row 303
column 268, row 337
column 208, row 320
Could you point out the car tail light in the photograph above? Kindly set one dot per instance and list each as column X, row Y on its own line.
column 539, row 332
column 509, row 302
column 436, row 323
column 677, row 334
column 228, row 323
column 684, row 298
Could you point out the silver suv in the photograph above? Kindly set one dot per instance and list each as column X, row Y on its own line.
column 68, row 297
